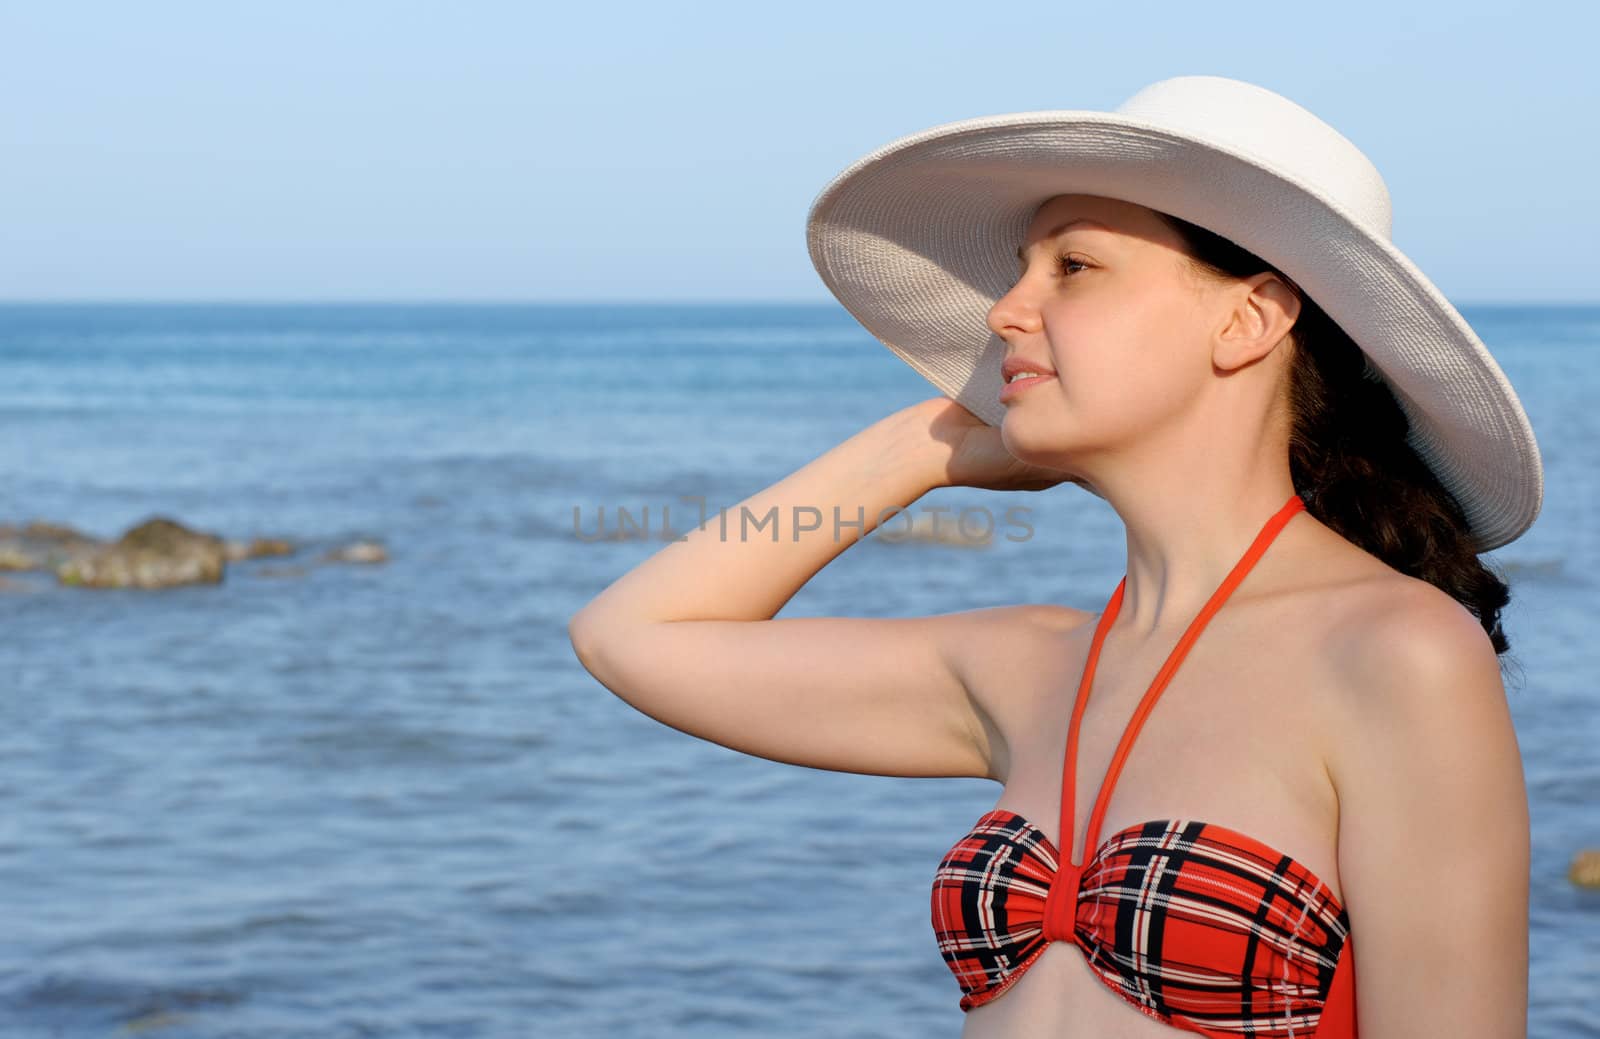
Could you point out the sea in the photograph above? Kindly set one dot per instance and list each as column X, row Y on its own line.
column 386, row 799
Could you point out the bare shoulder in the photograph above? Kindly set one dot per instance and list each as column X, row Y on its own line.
column 1052, row 619
column 1403, row 647
column 991, row 647
column 1410, row 666
column 1433, row 842
column 1021, row 622
column 975, row 640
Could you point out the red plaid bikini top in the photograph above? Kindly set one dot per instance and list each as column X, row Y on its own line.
column 1198, row 926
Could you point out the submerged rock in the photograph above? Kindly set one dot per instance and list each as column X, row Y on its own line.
column 298, row 570
column 257, row 547
column 358, row 552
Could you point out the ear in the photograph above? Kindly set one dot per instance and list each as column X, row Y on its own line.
column 1261, row 311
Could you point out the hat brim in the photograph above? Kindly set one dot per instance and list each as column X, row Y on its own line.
column 918, row 239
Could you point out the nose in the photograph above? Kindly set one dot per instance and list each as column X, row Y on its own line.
column 1014, row 314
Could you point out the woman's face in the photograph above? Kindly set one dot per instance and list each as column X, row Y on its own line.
column 1108, row 307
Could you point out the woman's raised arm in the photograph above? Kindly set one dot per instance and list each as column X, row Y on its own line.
column 688, row 636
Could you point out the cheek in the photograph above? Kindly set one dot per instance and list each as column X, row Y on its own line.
column 1121, row 368
column 1100, row 351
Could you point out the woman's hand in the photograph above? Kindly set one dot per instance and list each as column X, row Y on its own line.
column 973, row 454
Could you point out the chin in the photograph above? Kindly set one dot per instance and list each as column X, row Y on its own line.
column 1031, row 442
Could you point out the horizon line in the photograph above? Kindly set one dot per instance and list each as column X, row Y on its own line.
column 93, row 301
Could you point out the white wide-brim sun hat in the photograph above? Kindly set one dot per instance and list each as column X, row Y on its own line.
column 918, row 239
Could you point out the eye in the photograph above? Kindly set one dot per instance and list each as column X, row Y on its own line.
column 1066, row 261
column 1064, row 265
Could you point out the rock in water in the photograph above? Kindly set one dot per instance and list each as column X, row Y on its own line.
column 934, row 528
column 357, row 552
column 1585, row 869
column 157, row 553
column 42, row 546
column 257, row 547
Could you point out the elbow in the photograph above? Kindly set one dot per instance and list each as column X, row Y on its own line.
column 583, row 632
column 594, row 636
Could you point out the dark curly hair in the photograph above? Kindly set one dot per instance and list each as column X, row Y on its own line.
column 1348, row 454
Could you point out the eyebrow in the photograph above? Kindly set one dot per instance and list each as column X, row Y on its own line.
column 1064, row 227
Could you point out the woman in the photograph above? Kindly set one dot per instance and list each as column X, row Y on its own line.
column 1207, row 328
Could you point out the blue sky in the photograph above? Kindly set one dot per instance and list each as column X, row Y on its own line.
column 498, row 151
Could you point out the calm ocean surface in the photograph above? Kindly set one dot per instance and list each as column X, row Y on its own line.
column 388, row 801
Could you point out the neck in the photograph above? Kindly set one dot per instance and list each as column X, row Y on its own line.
column 1179, row 552
column 1191, row 507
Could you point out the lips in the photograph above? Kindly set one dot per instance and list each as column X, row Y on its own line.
column 1013, row 365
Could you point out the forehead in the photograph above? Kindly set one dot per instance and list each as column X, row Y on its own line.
column 1111, row 211
column 1109, row 219
column 1051, row 229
